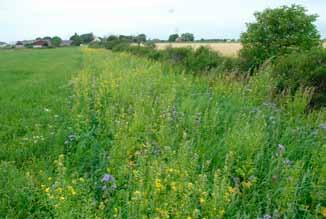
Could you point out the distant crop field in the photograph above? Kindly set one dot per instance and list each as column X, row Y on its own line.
column 227, row 49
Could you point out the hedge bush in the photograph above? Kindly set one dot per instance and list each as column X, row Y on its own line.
column 200, row 60
column 303, row 70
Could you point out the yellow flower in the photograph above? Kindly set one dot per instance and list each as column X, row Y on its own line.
column 201, row 200
column 173, row 186
column 190, row 185
column 47, row 189
column 136, row 195
column 323, row 211
column 247, row 184
column 71, row 190
column 158, row 184
column 102, row 206
column 232, row 190
column 162, row 212
column 59, row 189
column 62, row 198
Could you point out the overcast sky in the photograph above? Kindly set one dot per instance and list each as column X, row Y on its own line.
column 28, row 19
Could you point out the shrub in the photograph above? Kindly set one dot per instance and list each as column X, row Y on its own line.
column 195, row 61
column 177, row 55
column 96, row 45
column 277, row 32
column 204, row 59
column 140, row 50
column 117, row 45
column 120, row 46
column 303, row 70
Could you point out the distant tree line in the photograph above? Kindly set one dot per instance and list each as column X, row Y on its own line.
column 86, row 38
column 185, row 37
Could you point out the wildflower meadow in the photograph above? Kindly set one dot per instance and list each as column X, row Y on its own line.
column 87, row 133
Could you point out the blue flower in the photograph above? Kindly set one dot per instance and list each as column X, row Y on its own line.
column 108, row 178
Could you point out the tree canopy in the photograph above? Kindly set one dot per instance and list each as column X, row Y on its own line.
column 56, row 41
column 87, row 38
column 276, row 32
column 173, row 37
column 187, row 37
column 76, row 39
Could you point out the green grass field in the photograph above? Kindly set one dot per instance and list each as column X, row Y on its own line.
column 87, row 133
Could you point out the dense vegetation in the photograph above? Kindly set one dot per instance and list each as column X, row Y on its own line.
column 298, row 70
column 284, row 38
column 277, row 32
column 109, row 135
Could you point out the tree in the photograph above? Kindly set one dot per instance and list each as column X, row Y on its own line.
column 87, row 38
column 141, row 38
column 276, row 32
column 56, row 41
column 173, row 37
column 125, row 38
column 76, row 40
column 187, row 37
column 112, row 37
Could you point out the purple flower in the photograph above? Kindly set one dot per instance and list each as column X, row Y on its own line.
column 108, row 178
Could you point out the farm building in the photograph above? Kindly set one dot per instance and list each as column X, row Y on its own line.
column 41, row 43
column 66, row 43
